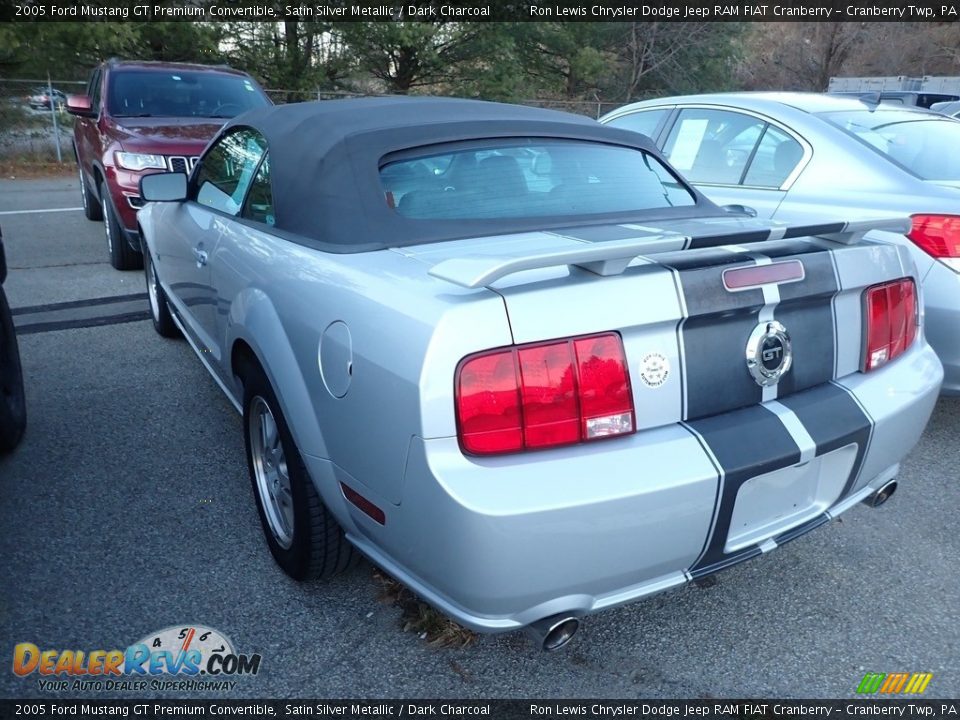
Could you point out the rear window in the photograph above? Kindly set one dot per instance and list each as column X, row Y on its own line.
column 926, row 145
column 181, row 94
column 530, row 179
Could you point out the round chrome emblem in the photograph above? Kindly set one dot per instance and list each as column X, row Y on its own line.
column 769, row 354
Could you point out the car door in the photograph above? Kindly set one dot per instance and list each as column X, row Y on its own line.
column 87, row 136
column 734, row 157
column 216, row 196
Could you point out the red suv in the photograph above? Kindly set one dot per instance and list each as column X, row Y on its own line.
column 143, row 117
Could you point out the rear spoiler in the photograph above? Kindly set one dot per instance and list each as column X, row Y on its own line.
column 613, row 257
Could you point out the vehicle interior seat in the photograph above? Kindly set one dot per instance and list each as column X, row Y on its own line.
column 785, row 159
column 503, row 177
column 710, row 164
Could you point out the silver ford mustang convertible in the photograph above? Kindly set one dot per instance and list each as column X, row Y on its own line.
column 510, row 356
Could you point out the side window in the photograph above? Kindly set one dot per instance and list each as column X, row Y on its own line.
column 259, row 204
column 776, row 157
column 226, row 171
column 712, row 146
column 642, row 121
column 93, row 90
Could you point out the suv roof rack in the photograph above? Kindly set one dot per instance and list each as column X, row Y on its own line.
column 219, row 66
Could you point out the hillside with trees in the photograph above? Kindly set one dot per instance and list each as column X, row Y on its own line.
column 550, row 62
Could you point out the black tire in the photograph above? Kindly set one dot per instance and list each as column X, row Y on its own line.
column 91, row 207
column 157, row 300
column 13, row 406
column 122, row 256
column 317, row 547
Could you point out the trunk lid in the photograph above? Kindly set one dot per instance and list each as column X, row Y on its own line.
column 688, row 298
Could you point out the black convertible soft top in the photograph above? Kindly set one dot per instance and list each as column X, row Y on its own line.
column 325, row 159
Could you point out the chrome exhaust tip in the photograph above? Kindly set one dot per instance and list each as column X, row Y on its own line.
column 878, row 498
column 553, row 632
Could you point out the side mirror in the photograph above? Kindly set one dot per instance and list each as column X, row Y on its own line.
column 740, row 210
column 164, row 187
column 80, row 105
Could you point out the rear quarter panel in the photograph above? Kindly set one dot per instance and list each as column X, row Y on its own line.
column 398, row 335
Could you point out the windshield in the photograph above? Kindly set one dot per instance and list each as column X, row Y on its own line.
column 182, row 94
column 531, row 178
column 927, row 146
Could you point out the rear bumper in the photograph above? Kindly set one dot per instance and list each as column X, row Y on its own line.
column 499, row 543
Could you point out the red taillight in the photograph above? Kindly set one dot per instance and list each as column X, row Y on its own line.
column 890, row 321
column 543, row 395
column 937, row 235
column 488, row 403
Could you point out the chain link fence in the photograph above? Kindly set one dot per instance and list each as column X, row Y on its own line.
column 35, row 128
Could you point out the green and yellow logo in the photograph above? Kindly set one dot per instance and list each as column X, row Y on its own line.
column 894, row 683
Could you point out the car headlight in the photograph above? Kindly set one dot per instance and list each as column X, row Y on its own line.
column 140, row 161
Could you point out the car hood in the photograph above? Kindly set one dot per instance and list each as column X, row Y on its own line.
column 179, row 131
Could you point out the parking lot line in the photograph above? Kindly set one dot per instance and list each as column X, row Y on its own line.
column 44, row 210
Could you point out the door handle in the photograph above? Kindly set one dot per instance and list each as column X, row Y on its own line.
column 200, row 256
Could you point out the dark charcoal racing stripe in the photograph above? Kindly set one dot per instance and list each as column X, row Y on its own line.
column 806, row 310
column 704, row 259
column 721, row 238
column 715, row 333
column 716, row 374
column 819, row 278
column 779, row 249
column 727, row 561
column 825, row 229
column 719, row 323
column 833, row 419
column 746, row 443
column 810, row 325
column 803, row 529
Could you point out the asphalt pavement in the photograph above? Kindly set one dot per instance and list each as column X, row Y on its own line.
column 127, row 509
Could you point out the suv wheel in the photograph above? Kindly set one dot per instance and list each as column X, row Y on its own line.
column 91, row 208
column 122, row 256
column 13, row 407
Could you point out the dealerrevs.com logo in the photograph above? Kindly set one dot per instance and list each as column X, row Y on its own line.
column 182, row 657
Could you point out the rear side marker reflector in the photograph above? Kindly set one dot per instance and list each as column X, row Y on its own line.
column 753, row 276
column 365, row 505
column 543, row 395
column 890, row 322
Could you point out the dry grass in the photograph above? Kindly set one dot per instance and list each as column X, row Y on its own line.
column 418, row 617
column 35, row 166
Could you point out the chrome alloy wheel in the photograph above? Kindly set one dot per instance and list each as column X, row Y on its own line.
column 152, row 284
column 270, row 469
column 106, row 219
column 83, row 190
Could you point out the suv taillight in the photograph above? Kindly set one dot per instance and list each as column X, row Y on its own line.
column 890, row 321
column 937, row 235
column 543, row 395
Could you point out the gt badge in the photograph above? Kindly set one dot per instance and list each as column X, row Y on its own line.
column 769, row 355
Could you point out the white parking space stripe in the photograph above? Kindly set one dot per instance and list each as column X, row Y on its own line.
column 44, row 210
